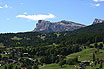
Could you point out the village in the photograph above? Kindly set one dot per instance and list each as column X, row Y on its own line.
column 12, row 56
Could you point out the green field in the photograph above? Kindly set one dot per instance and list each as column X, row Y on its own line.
column 83, row 55
column 87, row 54
column 56, row 66
column 16, row 38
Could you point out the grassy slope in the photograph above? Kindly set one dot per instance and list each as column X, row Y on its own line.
column 56, row 66
column 87, row 54
column 84, row 55
column 97, row 43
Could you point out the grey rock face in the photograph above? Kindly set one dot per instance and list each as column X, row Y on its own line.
column 47, row 26
column 96, row 21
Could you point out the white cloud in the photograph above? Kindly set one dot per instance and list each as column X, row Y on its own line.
column 36, row 17
column 97, row 4
column 1, row 7
column 6, row 6
column 98, row 0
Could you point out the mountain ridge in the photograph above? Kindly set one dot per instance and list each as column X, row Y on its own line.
column 47, row 26
column 96, row 21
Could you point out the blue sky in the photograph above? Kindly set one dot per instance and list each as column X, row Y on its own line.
column 22, row 15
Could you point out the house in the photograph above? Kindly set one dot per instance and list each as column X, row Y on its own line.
column 21, row 60
column 25, row 54
column 101, row 61
column 83, row 64
column 35, row 60
column 1, row 64
column 15, row 58
column 14, row 61
column 19, row 54
column 5, row 58
column 6, row 53
column 87, row 63
column 23, row 68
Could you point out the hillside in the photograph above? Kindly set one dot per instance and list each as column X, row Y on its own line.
column 89, row 34
column 86, row 35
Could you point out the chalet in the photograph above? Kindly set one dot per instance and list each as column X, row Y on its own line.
column 35, row 60
column 5, row 58
column 14, row 61
column 23, row 68
column 19, row 55
column 21, row 60
column 15, row 58
column 86, row 63
column 2, row 63
column 101, row 61
column 14, row 50
column 6, row 53
column 83, row 64
column 25, row 54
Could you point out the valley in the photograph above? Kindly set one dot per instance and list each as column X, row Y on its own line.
column 59, row 50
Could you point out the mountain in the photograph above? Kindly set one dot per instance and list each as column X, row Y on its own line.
column 96, row 21
column 89, row 34
column 47, row 26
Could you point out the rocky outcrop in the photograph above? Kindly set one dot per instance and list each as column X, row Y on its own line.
column 47, row 26
column 96, row 21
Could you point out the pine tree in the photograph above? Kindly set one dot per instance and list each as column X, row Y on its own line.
column 16, row 67
column 93, row 56
column 101, row 66
column 35, row 67
column 5, row 67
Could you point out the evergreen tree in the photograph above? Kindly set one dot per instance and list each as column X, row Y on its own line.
column 101, row 66
column 10, row 67
column 100, row 46
column 35, row 67
column 0, row 57
column 16, row 67
column 61, row 63
column 95, row 63
column 93, row 57
column 6, row 67
column 95, row 45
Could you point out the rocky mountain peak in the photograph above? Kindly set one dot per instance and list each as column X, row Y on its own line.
column 47, row 26
column 43, row 21
column 96, row 21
